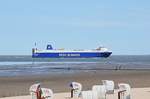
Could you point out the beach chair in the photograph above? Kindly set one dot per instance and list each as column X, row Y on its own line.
column 109, row 84
column 124, row 91
column 90, row 94
column 101, row 91
column 35, row 91
column 76, row 89
column 47, row 93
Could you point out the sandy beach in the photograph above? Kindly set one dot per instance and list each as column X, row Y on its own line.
column 136, row 93
column 19, row 85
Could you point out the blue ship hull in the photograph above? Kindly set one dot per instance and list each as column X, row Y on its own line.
column 72, row 55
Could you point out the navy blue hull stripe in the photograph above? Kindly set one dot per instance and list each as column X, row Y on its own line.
column 71, row 55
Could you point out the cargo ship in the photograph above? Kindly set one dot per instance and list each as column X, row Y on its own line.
column 49, row 52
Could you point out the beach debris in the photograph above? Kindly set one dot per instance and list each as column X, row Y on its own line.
column 100, row 90
column 124, row 91
column 76, row 89
column 109, row 85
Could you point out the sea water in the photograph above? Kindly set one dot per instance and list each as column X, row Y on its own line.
column 26, row 65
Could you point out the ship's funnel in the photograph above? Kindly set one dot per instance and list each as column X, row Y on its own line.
column 49, row 47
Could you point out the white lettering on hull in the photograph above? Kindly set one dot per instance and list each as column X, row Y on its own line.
column 65, row 55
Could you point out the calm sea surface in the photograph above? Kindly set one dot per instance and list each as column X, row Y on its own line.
column 26, row 65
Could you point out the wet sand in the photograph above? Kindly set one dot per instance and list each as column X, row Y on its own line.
column 19, row 85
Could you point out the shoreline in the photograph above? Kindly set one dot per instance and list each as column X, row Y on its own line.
column 19, row 85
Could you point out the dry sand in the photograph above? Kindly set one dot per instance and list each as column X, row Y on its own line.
column 18, row 86
column 136, row 93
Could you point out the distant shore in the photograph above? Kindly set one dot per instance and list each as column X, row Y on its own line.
column 19, row 85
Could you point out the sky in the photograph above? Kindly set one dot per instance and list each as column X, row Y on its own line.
column 123, row 26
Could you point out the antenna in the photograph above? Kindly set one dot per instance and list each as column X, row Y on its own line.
column 35, row 44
